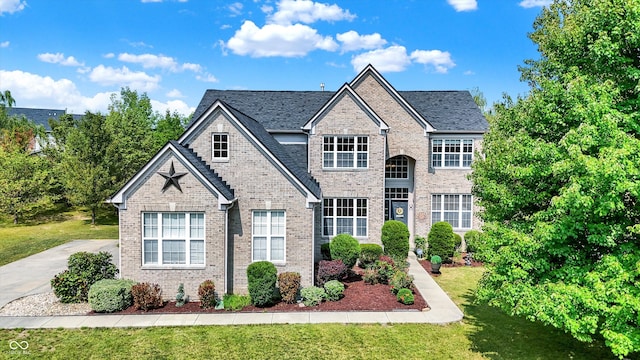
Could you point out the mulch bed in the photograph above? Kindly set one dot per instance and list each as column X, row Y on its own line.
column 358, row 296
column 426, row 264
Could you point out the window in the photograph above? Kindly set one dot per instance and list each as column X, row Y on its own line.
column 451, row 153
column 454, row 209
column 344, row 152
column 173, row 238
column 344, row 216
column 397, row 168
column 268, row 234
column 220, row 146
column 391, row 194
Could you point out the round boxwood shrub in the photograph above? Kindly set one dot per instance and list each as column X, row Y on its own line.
column 334, row 290
column 312, row 295
column 395, row 238
column 346, row 248
column 262, row 277
column 109, row 295
column 457, row 240
column 441, row 240
column 369, row 253
column 405, row 296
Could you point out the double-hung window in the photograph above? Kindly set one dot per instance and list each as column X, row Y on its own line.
column 342, row 216
column 173, row 238
column 345, row 152
column 268, row 234
column 451, row 153
column 452, row 208
column 220, row 146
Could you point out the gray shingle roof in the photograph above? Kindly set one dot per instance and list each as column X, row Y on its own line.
column 290, row 110
column 205, row 170
column 38, row 116
column 278, row 150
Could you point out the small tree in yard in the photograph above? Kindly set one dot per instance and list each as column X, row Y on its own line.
column 395, row 238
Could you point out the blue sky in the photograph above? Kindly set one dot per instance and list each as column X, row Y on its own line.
column 74, row 54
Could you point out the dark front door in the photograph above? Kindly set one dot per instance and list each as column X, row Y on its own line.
column 400, row 210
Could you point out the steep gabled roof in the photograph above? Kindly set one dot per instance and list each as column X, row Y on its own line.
column 196, row 166
column 448, row 111
column 273, row 150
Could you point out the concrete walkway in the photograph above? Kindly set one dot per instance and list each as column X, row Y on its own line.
column 443, row 311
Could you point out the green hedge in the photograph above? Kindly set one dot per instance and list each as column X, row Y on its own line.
column 441, row 240
column 109, row 295
column 262, row 277
column 395, row 238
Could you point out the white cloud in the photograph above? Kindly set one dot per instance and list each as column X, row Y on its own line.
column 307, row 11
column 151, row 1
column 391, row 59
column 136, row 80
column 11, row 6
column 278, row 40
column 207, row 78
column 175, row 93
column 150, row 61
column 172, row 105
column 4, row 44
column 534, row 3
column 352, row 41
column 109, row 56
column 236, row 8
column 440, row 60
column 193, row 67
column 463, row 5
column 58, row 58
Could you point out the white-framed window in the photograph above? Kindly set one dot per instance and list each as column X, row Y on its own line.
column 345, row 152
column 220, row 146
column 451, row 153
column 342, row 216
column 268, row 235
column 397, row 168
column 456, row 209
column 173, row 238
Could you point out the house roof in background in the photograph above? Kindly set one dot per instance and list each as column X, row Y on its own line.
column 38, row 116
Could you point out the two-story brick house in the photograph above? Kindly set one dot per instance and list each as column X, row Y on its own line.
column 271, row 175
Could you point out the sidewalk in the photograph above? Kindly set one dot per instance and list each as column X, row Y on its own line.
column 443, row 311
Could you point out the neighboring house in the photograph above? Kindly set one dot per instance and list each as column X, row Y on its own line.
column 39, row 117
column 271, row 175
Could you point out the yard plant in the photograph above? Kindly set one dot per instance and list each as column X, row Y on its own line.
column 262, row 277
column 395, row 239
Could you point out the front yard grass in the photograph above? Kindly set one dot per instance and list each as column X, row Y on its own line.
column 485, row 333
column 22, row 240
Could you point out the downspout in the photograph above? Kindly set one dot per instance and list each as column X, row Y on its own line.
column 313, row 245
column 226, row 245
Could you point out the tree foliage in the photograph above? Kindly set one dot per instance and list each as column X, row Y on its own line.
column 560, row 179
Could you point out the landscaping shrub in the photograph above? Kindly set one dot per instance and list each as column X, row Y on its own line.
column 312, row 295
column 457, row 240
column 289, row 284
column 84, row 269
column 385, row 269
column 207, row 294
column 234, row 302
column 325, row 250
column 420, row 243
column 334, row 290
column 146, row 296
column 405, row 296
column 262, row 277
column 346, row 248
column 181, row 298
column 109, row 295
column 370, row 276
column 330, row 270
column 395, row 238
column 472, row 239
column 369, row 253
column 441, row 240
column 400, row 280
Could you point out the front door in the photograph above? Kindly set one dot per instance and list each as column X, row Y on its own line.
column 400, row 210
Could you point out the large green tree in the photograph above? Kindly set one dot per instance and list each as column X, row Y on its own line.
column 559, row 184
column 168, row 127
column 84, row 169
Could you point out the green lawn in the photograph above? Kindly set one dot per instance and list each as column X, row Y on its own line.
column 22, row 240
column 484, row 334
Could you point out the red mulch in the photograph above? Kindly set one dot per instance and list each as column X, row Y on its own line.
column 358, row 296
column 426, row 264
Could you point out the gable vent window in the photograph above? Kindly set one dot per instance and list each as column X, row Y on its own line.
column 451, row 153
column 220, row 146
column 345, row 152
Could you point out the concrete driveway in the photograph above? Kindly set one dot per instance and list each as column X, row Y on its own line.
column 32, row 275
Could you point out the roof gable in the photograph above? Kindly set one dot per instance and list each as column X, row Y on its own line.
column 345, row 90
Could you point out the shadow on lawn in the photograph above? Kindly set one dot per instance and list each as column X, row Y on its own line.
column 499, row 336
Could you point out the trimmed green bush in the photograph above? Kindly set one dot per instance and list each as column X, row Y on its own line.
column 325, row 250
column 369, row 253
column 109, row 295
column 146, row 296
column 457, row 240
column 84, row 269
column 395, row 239
column 334, row 290
column 289, row 284
column 312, row 295
column 234, row 302
column 262, row 277
column 207, row 294
column 405, row 296
column 346, row 248
column 441, row 240
column 400, row 280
